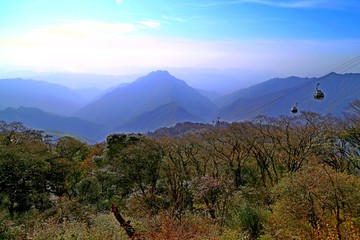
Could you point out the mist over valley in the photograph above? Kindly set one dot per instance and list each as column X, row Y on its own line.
column 160, row 99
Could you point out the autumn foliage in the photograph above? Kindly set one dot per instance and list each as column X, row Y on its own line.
column 288, row 177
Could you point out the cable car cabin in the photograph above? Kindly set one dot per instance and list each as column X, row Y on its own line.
column 294, row 109
column 318, row 95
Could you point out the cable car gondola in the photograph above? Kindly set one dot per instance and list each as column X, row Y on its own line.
column 294, row 109
column 318, row 95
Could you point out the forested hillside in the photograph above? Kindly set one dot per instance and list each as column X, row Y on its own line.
column 289, row 177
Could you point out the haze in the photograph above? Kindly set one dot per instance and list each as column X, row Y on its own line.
column 114, row 37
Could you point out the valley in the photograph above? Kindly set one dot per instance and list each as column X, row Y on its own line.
column 159, row 99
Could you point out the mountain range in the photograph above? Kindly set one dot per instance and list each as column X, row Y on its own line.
column 159, row 99
column 276, row 97
column 54, row 124
column 52, row 98
column 129, row 103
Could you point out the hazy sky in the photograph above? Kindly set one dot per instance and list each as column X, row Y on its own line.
column 297, row 37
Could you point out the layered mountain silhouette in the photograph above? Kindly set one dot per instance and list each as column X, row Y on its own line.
column 164, row 115
column 128, row 104
column 52, row 98
column 262, row 89
column 160, row 100
column 276, row 96
column 38, row 119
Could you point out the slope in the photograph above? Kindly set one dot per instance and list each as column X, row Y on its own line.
column 261, row 89
column 38, row 119
column 144, row 95
column 280, row 95
column 163, row 116
column 46, row 96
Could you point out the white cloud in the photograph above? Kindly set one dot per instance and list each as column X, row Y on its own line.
column 86, row 45
column 288, row 4
column 81, row 29
column 119, row 1
column 150, row 24
column 331, row 4
column 176, row 19
column 273, row 3
column 90, row 46
column 73, row 31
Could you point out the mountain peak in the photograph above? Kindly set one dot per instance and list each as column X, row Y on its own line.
column 146, row 94
column 161, row 74
column 159, row 77
column 331, row 74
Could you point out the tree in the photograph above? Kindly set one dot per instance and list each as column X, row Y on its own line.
column 23, row 168
column 313, row 198
column 177, row 175
column 259, row 140
column 136, row 159
column 66, row 167
column 214, row 193
column 351, row 136
column 228, row 145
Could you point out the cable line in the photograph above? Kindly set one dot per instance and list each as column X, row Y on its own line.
column 354, row 65
column 353, row 62
column 349, row 62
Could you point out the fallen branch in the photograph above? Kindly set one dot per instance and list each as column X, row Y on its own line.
column 130, row 231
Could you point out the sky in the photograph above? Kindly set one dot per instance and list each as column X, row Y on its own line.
column 288, row 37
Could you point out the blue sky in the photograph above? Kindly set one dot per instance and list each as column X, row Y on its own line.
column 289, row 37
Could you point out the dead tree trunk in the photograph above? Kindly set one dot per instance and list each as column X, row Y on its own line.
column 130, row 231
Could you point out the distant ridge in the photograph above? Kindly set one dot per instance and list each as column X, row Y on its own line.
column 160, row 100
column 49, row 97
column 181, row 129
column 147, row 93
column 276, row 96
column 38, row 119
column 265, row 88
column 163, row 116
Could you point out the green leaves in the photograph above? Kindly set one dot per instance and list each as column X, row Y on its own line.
column 23, row 183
